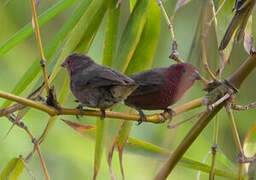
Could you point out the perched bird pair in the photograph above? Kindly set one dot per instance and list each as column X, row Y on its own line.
column 101, row 87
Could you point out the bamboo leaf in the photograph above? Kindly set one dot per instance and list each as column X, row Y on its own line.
column 28, row 30
column 148, row 41
column 108, row 55
column 146, row 149
column 13, row 169
column 111, row 34
column 99, row 145
column 82, row 35
column 131, row 35
column 50, row 50
column 153, row 151
column 249, row 147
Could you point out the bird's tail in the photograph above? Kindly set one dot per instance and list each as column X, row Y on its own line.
column 122, row 92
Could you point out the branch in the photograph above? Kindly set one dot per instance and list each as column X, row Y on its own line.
column 154, row 118
column 236, row 80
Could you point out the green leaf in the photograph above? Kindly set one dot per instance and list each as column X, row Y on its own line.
column 13, row 169
column 50, row 50
column 111, row 34
column 131, row 35
column 142, row 60
column 143, row 56
column 93, row 19
column 99, row 145
column 28, row 30
column 153, row 151
column 146, row 149
column 249, row 145
column 108, row 55
column 249, row 148
column 82, row 35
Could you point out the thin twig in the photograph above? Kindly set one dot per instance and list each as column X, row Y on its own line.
column 217, row 12
column 170, row 26
column 37, row 31
column 27, row 168
column 204, row 161
column 214, row 147
column 242, row 108
column 204, row 58
column 23, row 126
column 171, row 126
column 236, row 136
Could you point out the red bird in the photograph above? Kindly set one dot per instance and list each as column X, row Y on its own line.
column 161, row 87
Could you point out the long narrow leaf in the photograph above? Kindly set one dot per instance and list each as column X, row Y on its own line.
column 142, row 60
column 131, row 35
column 13, row 169
column 153, row 151
column 27, row 29
column 50, row 50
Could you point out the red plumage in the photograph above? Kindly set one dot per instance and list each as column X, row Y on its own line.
column 161, row 87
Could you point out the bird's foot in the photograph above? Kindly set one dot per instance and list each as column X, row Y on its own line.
column 243, row 159
column 142, row 117
column 103, row 112
column 171, row 114
column 82, row 110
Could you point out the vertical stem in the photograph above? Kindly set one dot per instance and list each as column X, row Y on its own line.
column 236, row 136
column 204, row 58
column 190, row 137
column 170, row 26
column 214, row 147
column 37, row 31
column 42, row 161
column 47, row 177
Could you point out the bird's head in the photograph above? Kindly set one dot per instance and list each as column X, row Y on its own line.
column 76, row 61
column 183, row 75
column 183, row 71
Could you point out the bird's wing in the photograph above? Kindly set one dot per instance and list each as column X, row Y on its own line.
column 149, row 81
column 103, row 77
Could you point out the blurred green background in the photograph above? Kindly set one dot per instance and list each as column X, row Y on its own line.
column 69, row 155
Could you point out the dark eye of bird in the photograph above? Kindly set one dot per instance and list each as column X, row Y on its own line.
column 69, row 62
column 183, row 70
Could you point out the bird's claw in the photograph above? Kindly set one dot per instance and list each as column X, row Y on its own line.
column 171, row 114
column 142, row 117
column 80, row 107
column 103, row 112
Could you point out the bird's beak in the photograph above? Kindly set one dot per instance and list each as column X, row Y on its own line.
column 197, row 75
column 63, row 64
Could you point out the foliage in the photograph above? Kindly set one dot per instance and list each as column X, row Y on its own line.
column 130, row 36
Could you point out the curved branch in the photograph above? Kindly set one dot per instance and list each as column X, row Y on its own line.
column 236, row 80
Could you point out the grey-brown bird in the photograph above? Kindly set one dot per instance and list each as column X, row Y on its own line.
column 95, row 85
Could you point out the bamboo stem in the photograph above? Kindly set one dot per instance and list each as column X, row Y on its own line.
column 40, row 46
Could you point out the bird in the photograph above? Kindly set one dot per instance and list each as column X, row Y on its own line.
column 161, row 87
column 243, row 9
column 95, row 85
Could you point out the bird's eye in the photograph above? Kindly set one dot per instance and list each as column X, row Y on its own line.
column 183, row 71
column 69, row 62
